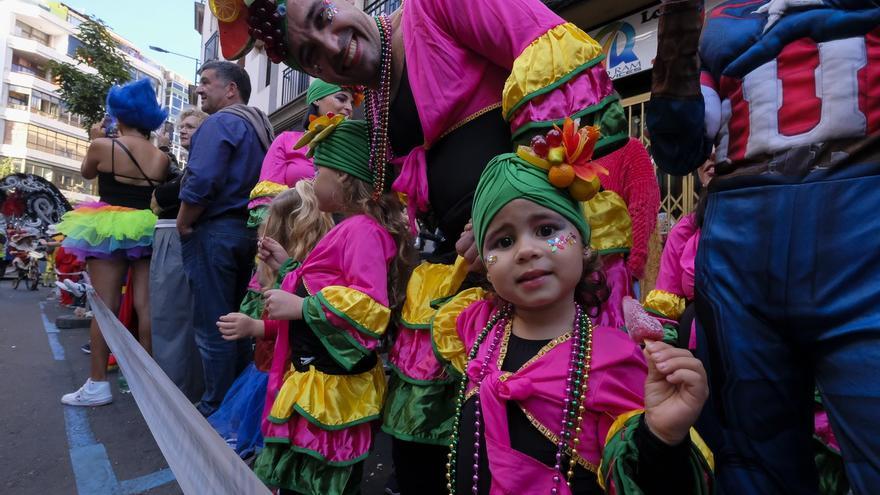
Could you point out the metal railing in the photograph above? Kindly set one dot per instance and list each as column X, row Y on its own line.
column 293, row 85
column 382, row 7
column 28, row 70
column 212, row 46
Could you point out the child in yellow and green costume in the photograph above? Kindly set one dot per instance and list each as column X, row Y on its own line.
column 326, row 384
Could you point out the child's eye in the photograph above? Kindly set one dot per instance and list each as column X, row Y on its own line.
column 504, row 242
column 546, row 230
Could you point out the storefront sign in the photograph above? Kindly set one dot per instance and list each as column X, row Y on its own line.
column 630, row 44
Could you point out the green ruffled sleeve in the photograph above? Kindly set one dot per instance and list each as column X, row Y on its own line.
column 348, row 323
column 620, row 459
column 252, row 303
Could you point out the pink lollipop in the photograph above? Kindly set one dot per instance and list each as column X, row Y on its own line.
column 640, row 325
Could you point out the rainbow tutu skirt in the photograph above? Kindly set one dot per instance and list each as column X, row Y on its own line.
column 99, row 230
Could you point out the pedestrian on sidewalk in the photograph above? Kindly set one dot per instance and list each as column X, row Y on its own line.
column 218, row 248
column 174, row 342
column 115, row 234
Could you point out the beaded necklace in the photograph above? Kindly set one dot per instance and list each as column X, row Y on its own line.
column 576, row 385
column 377, row 106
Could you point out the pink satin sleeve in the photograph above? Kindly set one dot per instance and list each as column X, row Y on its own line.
column 688, row 257
column 669, row 278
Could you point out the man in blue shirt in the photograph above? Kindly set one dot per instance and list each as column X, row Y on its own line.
column 218, row 249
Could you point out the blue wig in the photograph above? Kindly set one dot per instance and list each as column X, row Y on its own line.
column 135, row 105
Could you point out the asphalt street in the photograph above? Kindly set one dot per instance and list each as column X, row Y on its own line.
column 57, row 449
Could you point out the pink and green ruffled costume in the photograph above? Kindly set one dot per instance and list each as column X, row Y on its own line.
column 516, row 55
column 614, row 404
column 282, row 168
column 319, row 425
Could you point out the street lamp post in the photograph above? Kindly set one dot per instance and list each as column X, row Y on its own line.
column 162, row 50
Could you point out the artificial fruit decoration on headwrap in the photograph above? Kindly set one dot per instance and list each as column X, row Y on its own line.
column 241, row 22
column 319, row 129
column 567, row 156
column 508, row 177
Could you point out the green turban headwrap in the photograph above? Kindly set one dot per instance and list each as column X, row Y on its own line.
column 319, row 89
column 508, row 177
column 347, row 149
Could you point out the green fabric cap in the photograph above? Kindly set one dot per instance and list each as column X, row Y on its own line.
column 347, row 149
column 319, row 89
column 508, row 177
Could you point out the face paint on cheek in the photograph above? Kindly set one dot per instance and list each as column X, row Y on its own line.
column 491, row 260
column 330, row 11
column 559, row 242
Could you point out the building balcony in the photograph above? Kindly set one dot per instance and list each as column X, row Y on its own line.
column 381, row 7
column 294, row 84
column 212, row 47
column 37, row 48
column 29, row 80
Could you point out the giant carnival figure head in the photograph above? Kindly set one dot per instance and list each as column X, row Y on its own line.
column 328, row 39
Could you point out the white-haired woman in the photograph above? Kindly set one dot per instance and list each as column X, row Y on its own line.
column 174, row 344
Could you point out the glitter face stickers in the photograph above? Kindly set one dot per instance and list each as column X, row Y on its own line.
column 491, row 260
column 560, row 242
column 330, row 11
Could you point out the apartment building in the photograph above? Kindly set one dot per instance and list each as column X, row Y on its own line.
column 39, row 135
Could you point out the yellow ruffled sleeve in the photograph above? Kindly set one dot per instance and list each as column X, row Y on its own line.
column 429, row 283
column 364, row 321
column 548, row 62
column 448, row 346
column 665, row 304
column 363, row 312
column 267, row 188
column 610, row 223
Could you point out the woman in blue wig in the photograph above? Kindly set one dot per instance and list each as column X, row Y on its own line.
column 115, row 234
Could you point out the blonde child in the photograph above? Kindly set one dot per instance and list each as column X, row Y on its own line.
column 548, row 400
column 327, row 384
column 292, row 228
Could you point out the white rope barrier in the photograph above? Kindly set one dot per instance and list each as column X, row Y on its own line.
column 200, row 459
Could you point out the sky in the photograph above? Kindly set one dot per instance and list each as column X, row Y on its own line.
column 164, row 23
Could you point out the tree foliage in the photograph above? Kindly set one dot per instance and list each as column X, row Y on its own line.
column 6, row 166
column 84, row 93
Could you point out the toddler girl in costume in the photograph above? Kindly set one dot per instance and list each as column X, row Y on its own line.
column 548, row 400
column 293, row 227
column 326, row 384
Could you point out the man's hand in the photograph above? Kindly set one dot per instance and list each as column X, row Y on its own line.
column 187, row 217
column 282, row 305
column 675, row 391
column 466, row 247
column 184, row 230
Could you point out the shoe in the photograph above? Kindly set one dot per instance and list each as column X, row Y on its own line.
column 91, row 394
column 75, row 288
column 86, row 348
column 391, row 487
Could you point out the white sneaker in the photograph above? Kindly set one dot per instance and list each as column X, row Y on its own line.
column 74, row 288
column 91, row 394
